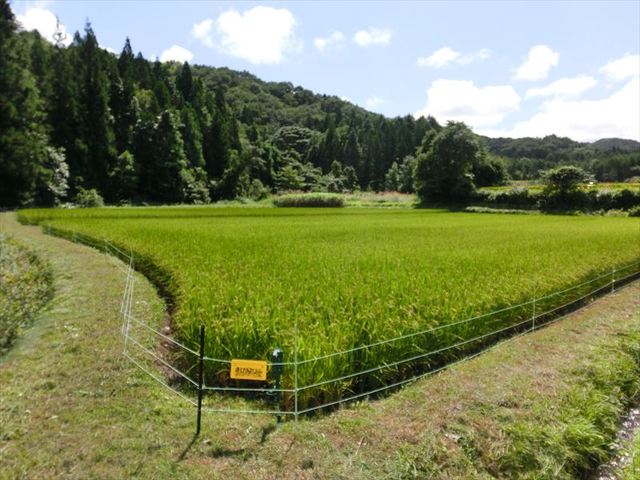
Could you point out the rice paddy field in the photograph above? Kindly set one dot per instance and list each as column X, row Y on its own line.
column 330, row 280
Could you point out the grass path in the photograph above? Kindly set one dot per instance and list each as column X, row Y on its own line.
column 71, row 406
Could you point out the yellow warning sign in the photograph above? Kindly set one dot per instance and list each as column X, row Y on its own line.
column 248, row 369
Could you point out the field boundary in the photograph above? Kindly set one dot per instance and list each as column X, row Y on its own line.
column 273, row 399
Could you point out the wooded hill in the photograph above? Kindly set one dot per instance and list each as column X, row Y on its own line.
column 79, row 118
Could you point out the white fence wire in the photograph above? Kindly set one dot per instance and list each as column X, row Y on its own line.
column 137, row 344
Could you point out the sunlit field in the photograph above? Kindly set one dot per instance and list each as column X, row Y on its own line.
column 343, row 278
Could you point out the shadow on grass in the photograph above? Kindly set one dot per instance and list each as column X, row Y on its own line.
column 188, row 447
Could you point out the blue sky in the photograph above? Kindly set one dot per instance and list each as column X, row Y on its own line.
column 505, row 68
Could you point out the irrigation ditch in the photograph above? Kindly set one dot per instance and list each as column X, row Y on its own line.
column 620, row 458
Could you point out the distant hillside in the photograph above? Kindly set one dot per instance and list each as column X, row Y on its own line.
column 272, row 105
column 619, row 144
column 610, row 159
column 276, row 104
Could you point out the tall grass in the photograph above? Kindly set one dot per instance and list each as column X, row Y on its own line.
column 316, row 200
column 25, row 286
column 346, row 278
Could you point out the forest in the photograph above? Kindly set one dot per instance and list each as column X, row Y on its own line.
column 80, row 119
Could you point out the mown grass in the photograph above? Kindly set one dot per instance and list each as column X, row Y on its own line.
column 346, row 278
column 25, row 287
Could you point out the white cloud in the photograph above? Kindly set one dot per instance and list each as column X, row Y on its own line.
column 111, row 50
column 539, row 61
column 346, row 99
column 42, row 20
column 461, row 100
column 374, row 102
column 335, row 40
column 446, row 56
column 202, row 31
column 564, row 88
column 176, row 53
column 622, row 68
column 372, row 36
column 439, row 58
column 585, row 120
column 259, row 35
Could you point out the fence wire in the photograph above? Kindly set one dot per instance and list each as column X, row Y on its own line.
column 135, row 345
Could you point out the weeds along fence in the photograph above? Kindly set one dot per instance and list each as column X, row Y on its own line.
column 293, row 386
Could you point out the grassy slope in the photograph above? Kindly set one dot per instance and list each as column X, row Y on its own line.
column 71, row 406
column 25, row 286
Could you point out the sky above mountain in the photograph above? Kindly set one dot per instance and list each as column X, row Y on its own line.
column 505, row 68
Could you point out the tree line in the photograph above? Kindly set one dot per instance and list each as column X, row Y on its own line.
column 79, row 119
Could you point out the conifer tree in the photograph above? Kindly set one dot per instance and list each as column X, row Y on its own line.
column 184, row 82
column 169, row 163
column 97, row 124
column 24, row 154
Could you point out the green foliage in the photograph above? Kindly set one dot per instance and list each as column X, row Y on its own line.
column 565, row 180
column 194, row 186
column 632, row 469
column 608, row 159
column 124, row 177
column 562, row 190
column 27, row 165
column 577, row 437
column 88, row 198
column 350, row 179
column 166, row 172
column 93, row 106
column 399, row 178
column 289, row 178
column 577, row 199
column 407, row 169
column 516, row 197
column 443, row 174
column 52, row 181
column 393, row 178
column 25, row 286
column 635, row 211
column 256, row 190
column 489, row 170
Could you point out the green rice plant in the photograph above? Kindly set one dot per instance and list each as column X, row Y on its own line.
column 338, row 279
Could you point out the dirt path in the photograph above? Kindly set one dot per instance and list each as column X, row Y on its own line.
column 72, row 407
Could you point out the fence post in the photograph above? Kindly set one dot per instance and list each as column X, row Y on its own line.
column 613, row 279
column 295, row 371
column 200, row 379
column 277, row 357
column 533, row 315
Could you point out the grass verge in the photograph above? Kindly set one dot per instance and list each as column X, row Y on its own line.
column 632, row 470
column 25, row 287
column 543, row 405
